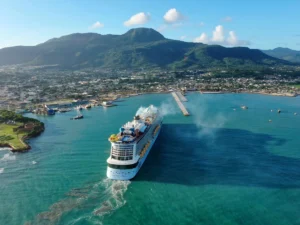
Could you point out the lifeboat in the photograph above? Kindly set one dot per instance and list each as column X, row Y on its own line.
column 113, row 137
column 156, row 129
column 144, row 150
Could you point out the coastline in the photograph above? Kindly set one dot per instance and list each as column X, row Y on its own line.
column 229, row 92
column 278, row 94
column 23, row 140
column 27, row 147
column 15, row 130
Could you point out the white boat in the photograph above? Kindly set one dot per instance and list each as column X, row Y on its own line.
column 79, row 107
column 88, row 106
column 131, row 146
column 107, row 104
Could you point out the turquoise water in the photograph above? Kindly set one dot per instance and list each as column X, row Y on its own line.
column 218, row 166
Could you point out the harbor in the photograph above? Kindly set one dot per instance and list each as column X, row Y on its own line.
column 179, row 103
column 184, row 145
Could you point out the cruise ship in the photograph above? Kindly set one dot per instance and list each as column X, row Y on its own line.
column 131, row 146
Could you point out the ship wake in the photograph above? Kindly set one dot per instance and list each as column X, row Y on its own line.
column 115, row 190
column 93, row 201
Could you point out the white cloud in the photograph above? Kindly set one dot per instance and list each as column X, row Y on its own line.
column 227, row 19
column 218, row 34
column 183, row 37
column 232, row 39
column 138, row 19
column 97, row 25
column 219, row 37
column 173, row 16
column 203, row 38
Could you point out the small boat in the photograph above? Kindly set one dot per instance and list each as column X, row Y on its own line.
column 295, row 114
column 64, row 110
column 270, row 121
column 279, row 111
column 79, row 107
column 244, row 107
column 88, row 106
column 78, row 117
column 107, row 104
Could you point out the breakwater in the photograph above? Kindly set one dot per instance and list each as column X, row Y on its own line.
column 179, row 103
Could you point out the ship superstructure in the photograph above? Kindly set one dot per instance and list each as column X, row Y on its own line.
column 131, row 146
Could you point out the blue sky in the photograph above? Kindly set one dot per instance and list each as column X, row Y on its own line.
column 260, row 24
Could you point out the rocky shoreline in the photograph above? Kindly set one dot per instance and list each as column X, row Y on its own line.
column 24, row 139
column 16, row 130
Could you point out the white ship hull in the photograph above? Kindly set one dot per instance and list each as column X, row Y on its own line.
column 127, row 174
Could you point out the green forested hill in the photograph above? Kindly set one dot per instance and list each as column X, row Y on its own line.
column 285, row 54
column 140, row 47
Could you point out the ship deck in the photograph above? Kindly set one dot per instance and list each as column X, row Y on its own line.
column 121, row 162
column 135, row 139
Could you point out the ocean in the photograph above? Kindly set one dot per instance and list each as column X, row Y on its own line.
column 221, row 165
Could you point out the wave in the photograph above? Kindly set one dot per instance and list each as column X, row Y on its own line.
column 34, row 162
column 1, row 170
column 5, row 149
column 8, row 157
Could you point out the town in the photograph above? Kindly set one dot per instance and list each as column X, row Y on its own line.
column 22, row 87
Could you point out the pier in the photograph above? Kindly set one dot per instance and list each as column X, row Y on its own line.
column 181, row 97
column 180, row 105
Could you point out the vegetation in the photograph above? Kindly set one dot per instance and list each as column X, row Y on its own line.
column 285, row 54
column 138, row 48
column 295, row 85
column 15, row 128
column 9, row 137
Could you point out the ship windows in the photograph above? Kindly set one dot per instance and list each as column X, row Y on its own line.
column 121, row 158
column 122, row 152
column 131, row 166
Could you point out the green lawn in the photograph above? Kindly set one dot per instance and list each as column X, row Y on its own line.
column 61, row 101
column 295, row 85
column 8, row 136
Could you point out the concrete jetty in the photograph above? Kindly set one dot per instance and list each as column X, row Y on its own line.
column 181, row 96
column 180, row 105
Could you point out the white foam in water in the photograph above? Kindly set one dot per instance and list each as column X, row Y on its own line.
column 34, row 162
column 1, row 170
column 5, row 149
column 110, row 192
column 8, row 157
column 115, row 196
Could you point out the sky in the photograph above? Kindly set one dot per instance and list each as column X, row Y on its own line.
column 263, row 24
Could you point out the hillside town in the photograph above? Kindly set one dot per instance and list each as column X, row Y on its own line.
column 24, row 87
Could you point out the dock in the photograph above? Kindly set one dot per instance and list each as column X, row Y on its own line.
column 181, row 97
column 180, row 105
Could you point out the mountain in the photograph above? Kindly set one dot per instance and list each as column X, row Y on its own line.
column 285, row 54
column 140, row 47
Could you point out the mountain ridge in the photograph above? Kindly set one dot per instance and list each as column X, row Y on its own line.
column 139, row 47
column 284, row 53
